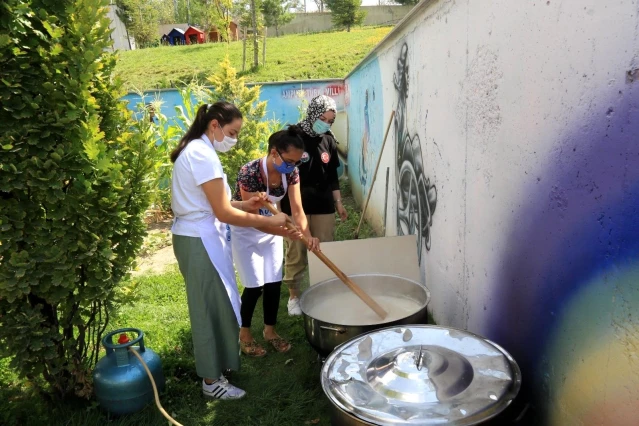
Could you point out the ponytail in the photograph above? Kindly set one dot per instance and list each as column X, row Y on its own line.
column 223, row 112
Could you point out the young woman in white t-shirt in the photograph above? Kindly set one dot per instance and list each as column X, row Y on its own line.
column 203, row 211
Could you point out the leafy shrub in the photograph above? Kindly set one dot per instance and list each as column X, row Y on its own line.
column 73, row 188
column 227, row 86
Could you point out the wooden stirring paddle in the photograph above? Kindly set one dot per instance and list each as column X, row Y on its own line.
column 342, row 276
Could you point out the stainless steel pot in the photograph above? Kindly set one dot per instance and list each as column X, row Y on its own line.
column 419, row 375
column 324, row 335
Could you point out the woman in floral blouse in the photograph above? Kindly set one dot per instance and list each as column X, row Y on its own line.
column 258, row 253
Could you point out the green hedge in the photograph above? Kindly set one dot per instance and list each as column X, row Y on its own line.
column 74, row 183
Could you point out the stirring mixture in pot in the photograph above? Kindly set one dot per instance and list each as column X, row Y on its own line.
column 348, row 309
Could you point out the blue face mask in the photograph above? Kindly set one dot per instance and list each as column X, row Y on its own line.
column 320, row 127
column 285, row 167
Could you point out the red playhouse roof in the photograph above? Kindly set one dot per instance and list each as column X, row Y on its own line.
column 194, row 35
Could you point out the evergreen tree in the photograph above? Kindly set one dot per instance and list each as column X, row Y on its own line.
column 277, row 13
column 346, row 13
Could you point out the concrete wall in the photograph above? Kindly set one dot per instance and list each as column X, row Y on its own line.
column 514, row 156
column 318, row 22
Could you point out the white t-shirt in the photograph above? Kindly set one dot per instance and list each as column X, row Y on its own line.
column 198, row 163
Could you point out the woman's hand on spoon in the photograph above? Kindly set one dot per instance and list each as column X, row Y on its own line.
column 313, row 244
column 279, row 219
column 255, row 202
column 293, row 234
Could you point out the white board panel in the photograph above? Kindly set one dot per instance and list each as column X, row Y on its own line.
column 384, row 255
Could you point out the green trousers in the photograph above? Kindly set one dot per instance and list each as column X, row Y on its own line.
column 214, row 327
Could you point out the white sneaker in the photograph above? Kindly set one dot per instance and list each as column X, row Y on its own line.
column 222, row 389
column 294, row 307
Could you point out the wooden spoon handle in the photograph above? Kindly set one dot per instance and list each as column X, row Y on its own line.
column 341, row 275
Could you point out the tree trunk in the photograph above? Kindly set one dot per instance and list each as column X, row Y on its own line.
column 244, row 51
column 256, row 45
column 128, row 38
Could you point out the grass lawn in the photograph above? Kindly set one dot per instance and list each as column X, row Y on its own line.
column 283, row 389
column 291, row 57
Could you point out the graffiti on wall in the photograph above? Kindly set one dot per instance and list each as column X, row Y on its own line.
column 285, row 99
column 416, row 196
column 365, row 151
column 309, row 91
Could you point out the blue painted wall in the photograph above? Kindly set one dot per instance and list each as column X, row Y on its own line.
column 366, row 125
column 283, row 99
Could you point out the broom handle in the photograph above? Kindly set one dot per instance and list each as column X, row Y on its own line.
column 341, row 275
column 379, row 160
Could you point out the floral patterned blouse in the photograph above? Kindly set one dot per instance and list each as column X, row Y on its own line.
column 250, row 179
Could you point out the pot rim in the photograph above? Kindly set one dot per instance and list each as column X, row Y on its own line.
column 505, row 402
column 422, row 306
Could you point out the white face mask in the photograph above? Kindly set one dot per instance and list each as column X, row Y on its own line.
column 225, row 145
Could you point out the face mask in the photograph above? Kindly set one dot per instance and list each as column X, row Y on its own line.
column 284, row 167
column 226, row 144
column 320, row 127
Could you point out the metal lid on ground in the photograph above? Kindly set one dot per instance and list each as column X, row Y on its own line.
column 420, row 375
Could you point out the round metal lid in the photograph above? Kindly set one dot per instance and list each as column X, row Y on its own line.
column 420, row 375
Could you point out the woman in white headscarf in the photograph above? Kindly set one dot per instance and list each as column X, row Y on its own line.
column 319, row 187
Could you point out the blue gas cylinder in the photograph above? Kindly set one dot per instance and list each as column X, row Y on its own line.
column 120, row 382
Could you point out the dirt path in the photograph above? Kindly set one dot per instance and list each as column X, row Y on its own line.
column 156, row 263
column 158, row 244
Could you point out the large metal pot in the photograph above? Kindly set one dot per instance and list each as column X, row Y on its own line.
column 419, row 375
column 327, row 332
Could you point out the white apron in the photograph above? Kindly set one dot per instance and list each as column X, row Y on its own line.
column 259, row 256
column 216, row 237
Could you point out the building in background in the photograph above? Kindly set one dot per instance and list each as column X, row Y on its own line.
column 194, row 35
column 120, row 36
column 213, row 36
column 176, row 37
column 165, row 29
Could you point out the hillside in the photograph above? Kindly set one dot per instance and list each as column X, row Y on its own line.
column 292, row 57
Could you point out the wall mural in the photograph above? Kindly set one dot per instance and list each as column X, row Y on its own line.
column 416, row 196
column 365, row 156
column 283, row 98
column 366, row 125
